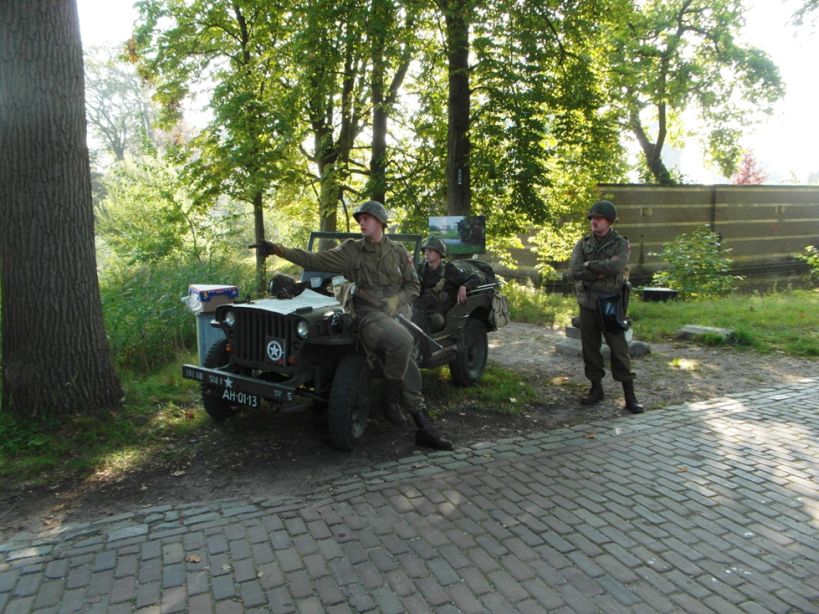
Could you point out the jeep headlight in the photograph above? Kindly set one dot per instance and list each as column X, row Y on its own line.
column 302, row 329
column 229, row 317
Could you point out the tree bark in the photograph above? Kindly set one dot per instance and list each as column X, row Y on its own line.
column 258, row 231
column 378, row 158
column 652, row 151
column 55, row 353
column 456, row 13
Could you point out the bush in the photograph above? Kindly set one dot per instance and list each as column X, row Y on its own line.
column 811, row 257
column 147, row 322
column 698, row 266
column 534, row 305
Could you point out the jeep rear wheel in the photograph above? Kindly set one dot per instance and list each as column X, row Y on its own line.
column 217, row 408
column 470, row 361
column 347, row 408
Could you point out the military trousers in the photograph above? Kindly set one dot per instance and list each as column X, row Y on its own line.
column 390, row 344
column 591, row 335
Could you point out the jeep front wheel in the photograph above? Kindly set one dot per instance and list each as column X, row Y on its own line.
column 217, row 408
column 470, row 360
column 347, row 407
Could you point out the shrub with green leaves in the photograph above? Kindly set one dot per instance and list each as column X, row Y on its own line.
column 147, row 322
column 536, row 306
column 811, row 257
column 698, row 266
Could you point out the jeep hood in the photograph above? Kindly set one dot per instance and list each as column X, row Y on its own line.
column 286, row 306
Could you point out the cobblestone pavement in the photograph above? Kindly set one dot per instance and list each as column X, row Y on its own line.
column 703, row 507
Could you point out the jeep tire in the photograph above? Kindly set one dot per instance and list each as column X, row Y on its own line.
column 217, row 408
column 348, row 405
column 470, row 360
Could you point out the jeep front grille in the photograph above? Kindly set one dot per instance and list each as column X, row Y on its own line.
column 252, row 329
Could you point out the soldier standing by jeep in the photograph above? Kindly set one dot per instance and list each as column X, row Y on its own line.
column 386, row 283
column 598, row 266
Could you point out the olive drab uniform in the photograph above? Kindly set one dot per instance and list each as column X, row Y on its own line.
column 604, row 275
column 386, row 284
column 439, row 293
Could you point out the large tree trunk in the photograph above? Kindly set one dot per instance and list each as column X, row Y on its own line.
column 456, row 13
column 56, row 358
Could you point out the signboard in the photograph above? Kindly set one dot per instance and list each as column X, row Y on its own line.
column 463, row 234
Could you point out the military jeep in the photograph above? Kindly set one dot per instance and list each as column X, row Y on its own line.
column 281, row 352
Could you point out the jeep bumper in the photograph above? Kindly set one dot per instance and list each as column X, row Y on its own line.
column 239, row 388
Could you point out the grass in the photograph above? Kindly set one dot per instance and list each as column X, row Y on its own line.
column 530, row 304
column 499, row 390
column 157, row 411
column 785, row 322
column 765, row 322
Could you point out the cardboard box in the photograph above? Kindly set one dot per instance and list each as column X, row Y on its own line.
column 205, row 298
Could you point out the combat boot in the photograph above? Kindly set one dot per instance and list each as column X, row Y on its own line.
column 391, row 401
column 631, row 399
column 595, row 394
column 426, row 435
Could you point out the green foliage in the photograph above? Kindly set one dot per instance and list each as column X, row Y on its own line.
column 698, row 266
column 536, row 306
column 811, row 257
column 671, row 56
column 148, row 215
column 541, row 135
column 543, row 132
column 144, row 217
column 146, row 320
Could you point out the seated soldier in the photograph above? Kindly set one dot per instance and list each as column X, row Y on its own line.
column 442, row 285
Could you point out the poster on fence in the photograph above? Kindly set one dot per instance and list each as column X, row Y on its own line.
column 463, row 234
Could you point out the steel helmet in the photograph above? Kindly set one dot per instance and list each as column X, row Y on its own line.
column 437, row 244
column 374, row 208
column 603, row 208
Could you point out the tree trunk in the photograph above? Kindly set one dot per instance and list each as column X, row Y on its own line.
column 457, row 166
column 258, row 231
column 378, row 159
column 55, row 354
column 652, row 151
column 329, row 196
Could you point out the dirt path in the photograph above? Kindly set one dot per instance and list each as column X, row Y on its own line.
column 270, row 455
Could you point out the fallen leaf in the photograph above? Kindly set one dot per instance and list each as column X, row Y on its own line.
column 682, row 469
column 590, row 435
column 193, row 558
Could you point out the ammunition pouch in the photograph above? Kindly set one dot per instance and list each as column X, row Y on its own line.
column 613, row 311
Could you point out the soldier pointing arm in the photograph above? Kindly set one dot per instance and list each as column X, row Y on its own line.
column 386, row 285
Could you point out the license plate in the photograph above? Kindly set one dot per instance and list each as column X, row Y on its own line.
column 240, row 398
